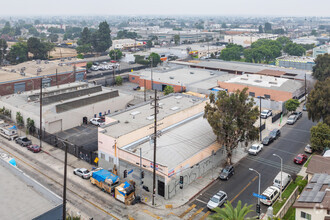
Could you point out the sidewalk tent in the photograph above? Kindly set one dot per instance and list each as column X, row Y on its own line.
column 102, row 175
column 13, row 128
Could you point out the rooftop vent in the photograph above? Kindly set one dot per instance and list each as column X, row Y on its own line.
column 244, row 79
column 211, row 73
column 135, row 113
column 150, row 118
column 39, row 70
column 257, row 81
column 275, row 83
column 178, row 97
column 126, row 122
column 191, row 72
column 175, row 108
column 171, row 77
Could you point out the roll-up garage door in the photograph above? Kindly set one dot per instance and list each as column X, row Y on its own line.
column 19, row 87
column 55, row 126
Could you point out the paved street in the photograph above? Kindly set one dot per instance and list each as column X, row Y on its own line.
column 241, row 186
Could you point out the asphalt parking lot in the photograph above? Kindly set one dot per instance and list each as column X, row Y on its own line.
column 84, row 135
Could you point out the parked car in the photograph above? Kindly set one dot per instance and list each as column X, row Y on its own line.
column 292, row 119
column 34, row 148
column 217, row 200
column 227, row 172
column 82, row 172
column 23, row 141
column 300, row 159
column 267, row 140
column 286, row 178
column 271, row 194
column 266, row 113
column 304, row 108
column 96, row 63
column 299, row 114
column 255, row 149
column 308, row 149
column 94, row 68
column 137, row 88
column 275, row 133
column 97, row 121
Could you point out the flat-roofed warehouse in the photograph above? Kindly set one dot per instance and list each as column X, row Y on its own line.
column 64, row 106
column 187, row 146
column 28, row 75
column 24, row 198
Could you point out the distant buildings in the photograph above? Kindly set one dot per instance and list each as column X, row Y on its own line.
column 321, row 50
column 246, row 40
column 125, row 44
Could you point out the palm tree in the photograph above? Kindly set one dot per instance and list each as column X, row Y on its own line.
column 231, row 213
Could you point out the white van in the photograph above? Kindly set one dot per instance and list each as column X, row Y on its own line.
column 270, row 194
column 286, row 178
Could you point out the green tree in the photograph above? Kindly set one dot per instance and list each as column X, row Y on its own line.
column 223, row 25
column 80, row 56
column 115, row 54
column 7, row 28
column 101, row 39
column 89, row 65
column 321, row 70
column 283, row 40
column 53, row 37
column 30, row 127
column 261, row 30
column 39, row 49
column 149, row 44
column 17, row 31
column 231, row 213
column 34, row 32
column 55, row 30
column 168, row 90
column 320, row 136
column 85, row 37
column 268, row 27
column 278, row 31
column 154, row 58
column 292, row 104
column 294, row 49
column 177, row 39
column 18, row 53
column 119, row 80
column 231, row 52
column 231, row 117
column 314, row 33
column 318, row 102
column 126, row 34
column 19, row 119
column 85, row 48
column 3, row 50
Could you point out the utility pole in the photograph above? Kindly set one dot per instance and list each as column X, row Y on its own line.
column 155, row 146
column 113, row 76
column 56, row 78
column 64, row 184
column 40, row 128
column 260, row 119
column 141, row 172
column 305, row 88
column 145, row 91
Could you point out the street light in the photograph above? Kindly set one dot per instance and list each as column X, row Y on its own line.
column 258, row 209
column 260, row 97
column 281, row 174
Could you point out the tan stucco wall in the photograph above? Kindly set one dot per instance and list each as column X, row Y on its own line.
column 316, row 214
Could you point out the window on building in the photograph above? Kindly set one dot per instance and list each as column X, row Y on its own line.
column 133, row 78
column 267, row 96
column 252, row 94
column 306, row 215
column 102, row 156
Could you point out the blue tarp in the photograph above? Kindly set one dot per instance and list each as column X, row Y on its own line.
column 126, row 184
column 12, row 162
column 13, row 128
column 102, row 175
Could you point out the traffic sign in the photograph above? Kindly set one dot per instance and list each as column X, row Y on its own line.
column 259, row 196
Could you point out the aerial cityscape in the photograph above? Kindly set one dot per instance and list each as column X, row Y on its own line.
column 146, row 110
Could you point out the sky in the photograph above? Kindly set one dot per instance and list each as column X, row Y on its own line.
column 292, row 8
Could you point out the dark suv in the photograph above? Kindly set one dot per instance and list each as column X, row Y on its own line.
column 275, row 133
column 267, row 140
column 227, row 172
column 23, row 141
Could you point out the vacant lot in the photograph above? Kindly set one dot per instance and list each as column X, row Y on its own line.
column 60, row 52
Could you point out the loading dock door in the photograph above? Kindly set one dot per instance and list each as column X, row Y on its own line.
column 19, row 87
column 55, row 126
column 161, row 188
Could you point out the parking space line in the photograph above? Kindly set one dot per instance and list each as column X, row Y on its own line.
column 244, row 189
column 205, row 215
column 201, row 201
column 188, row 210
column 196, row 213
column 151, row 214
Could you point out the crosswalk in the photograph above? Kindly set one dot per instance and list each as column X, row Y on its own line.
column 191, row 213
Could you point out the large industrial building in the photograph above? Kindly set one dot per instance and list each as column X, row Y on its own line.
column 65, row 106
column 186, row 146
column 28, row 75
column 303, row 63
column 24, row 198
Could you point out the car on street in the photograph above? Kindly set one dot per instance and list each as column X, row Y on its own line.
column 266, row 113
column 97, row 121
column 270, row 194
column 275, row 133
column 96, row 63
column 304, row 108
column 217, row 200
column 267, row 140
column 137, row 88
column 82, row 172
column 23, row 141
column 227, row 172
column 300, row 159
column 292, row 119
column 255, row 149
column 299, row 114
column 308, row 149
column 34, row 148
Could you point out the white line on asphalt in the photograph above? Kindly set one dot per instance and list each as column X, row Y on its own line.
column 201, row 201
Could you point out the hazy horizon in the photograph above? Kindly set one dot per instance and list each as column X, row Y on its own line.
column 255, row 8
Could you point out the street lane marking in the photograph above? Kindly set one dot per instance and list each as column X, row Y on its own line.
column 201, row 201
column 151, row 214
column 196, row 213
column 244, row 189
column 188, row 210
column 82, row 197
column 287, row 168
column 205, row 215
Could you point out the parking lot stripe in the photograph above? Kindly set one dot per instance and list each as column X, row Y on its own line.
column 188, row 210
column 244, row 189
column 151, row 214
column 196, row 213
column 201, row 201
column 205, row 215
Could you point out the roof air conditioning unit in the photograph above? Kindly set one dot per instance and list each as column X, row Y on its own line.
column 171, row 77
column 191, row 72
